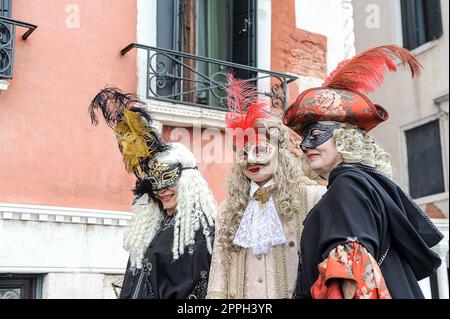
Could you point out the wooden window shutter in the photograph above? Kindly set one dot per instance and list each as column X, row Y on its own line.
column 5, row 8
column 433, row 18
column 423, row 144
column 409, row 24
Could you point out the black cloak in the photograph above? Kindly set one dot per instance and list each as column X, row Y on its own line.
column 365, row 206
column 162, row 278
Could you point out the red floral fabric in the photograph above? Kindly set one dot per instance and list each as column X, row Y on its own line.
column 327, row 104
column 350, row 272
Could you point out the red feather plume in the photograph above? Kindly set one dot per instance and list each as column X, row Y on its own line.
column 242, row 95
column 365, row 71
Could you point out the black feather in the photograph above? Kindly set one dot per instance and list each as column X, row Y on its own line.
column 112, row 102
column 143, row 186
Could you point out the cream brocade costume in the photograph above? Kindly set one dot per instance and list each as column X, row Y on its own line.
column 267, row 267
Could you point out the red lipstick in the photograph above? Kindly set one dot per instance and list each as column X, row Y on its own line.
column 254, row 169
column 312, row 155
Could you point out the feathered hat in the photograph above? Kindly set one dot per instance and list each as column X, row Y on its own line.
column 342, row 96
column 138, row 141
column 245, row 108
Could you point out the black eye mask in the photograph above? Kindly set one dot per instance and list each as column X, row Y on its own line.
column 310, row 141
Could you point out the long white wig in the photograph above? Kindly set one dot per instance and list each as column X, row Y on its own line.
column 196, row 207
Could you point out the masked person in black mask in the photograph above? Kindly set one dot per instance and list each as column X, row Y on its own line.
column 365, row 239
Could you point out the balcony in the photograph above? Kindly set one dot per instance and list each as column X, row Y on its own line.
column 7, row 42
column 188, row 79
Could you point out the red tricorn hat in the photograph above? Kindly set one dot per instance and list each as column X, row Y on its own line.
column 342, row 96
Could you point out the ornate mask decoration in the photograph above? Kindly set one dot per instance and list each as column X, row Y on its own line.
column 315, row 134
column 163, row 176
column 261, row 153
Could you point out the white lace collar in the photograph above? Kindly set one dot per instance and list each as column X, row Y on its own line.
column 260, row 227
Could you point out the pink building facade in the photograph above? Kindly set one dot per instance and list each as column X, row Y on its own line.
column 50, row 152
column 64, row 194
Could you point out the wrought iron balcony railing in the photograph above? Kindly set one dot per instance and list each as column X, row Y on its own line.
column 189, row 79
column 7, row 42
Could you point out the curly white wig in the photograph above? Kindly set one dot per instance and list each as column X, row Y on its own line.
column 356, row 146
column 196, row 207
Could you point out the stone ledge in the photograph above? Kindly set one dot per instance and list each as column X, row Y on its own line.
column 60, row 270
column 3, row 86
column 186, row 115
column 51, row 214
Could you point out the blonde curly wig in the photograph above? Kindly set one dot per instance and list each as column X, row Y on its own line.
column 196, row 207
column 356, row 146
column 287, row 180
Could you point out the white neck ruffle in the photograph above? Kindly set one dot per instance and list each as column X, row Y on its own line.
column 260, row 228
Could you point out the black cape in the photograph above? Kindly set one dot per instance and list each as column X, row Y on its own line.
column 363, row 205
column 163, row 278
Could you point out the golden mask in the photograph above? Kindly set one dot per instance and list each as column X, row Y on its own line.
column 163, row 175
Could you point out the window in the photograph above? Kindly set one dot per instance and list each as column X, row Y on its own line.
column 218, row 29
column 421, row 22
column 5, row 8
column 425, row 162
column 19, row 286
column 6, row 40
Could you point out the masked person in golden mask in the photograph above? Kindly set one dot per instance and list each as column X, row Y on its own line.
column 259, row 226
column 171, row 235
